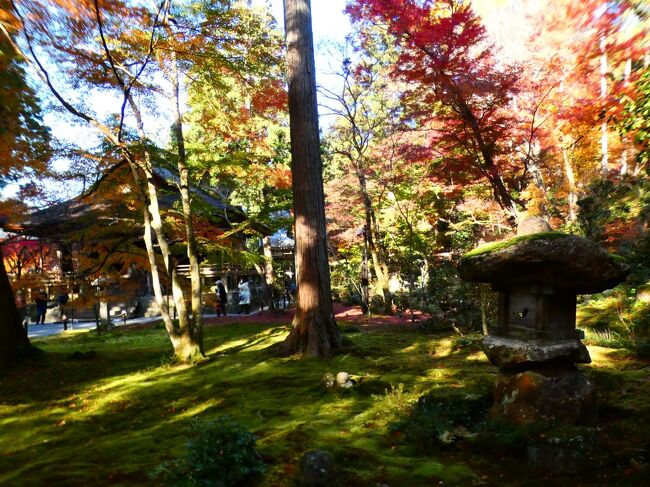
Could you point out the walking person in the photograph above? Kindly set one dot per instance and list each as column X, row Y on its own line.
column 62, row 299
column 21, row 305
column 244, row 297
column 222, row 299
column 41, row 307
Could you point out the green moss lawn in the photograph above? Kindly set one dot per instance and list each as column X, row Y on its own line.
column 106, row 410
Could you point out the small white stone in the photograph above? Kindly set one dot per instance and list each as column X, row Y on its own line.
column 342, row 378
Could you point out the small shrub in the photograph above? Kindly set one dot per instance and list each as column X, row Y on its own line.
column 499, row 438
column 605, row 338
column 502, row 437
column 642, row 350
column 467, row 343
column 398, row 399
column 220, row 453
column 441, row 420
column 377, row 304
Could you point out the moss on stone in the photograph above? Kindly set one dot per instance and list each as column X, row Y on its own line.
column 502, row 244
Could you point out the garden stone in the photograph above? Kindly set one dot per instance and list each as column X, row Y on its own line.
column 317, row 469
column 511, row 353
column 643, row 293
column 570, row 452
column 343, row 379
column 538, row 278
column 328, row 380
column 556, row 395
column 533, row 224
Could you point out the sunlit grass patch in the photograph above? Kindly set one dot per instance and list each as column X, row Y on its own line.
column 107, row 409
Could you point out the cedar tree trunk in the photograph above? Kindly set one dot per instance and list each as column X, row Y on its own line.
column 314, row 330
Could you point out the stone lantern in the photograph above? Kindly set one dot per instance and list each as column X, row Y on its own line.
column 535, row 343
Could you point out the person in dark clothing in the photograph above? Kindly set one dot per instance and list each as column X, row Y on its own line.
column 62, row 299
column 222, row 299
column 21, row 305
column 41, row 307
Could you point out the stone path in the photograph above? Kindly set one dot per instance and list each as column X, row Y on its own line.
column 342, row 312
column 49, row 329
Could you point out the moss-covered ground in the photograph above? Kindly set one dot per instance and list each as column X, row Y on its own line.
column 106, row 410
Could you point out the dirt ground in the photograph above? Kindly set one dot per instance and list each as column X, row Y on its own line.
column 342, row 313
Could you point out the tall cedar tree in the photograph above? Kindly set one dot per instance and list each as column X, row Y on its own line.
column 314, row 330
column 23, row 148
column 444, row 59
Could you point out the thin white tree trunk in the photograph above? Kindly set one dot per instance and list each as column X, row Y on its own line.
column 570, row 176
column 604, row 164
column 624, row 139
column 196, row 328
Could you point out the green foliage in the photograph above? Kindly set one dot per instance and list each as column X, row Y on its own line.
column 636, row 118
column 461, row 303
column 220, row 453
column 345, row 275
column 616, row 214
column 24, row 139
column 616, row 319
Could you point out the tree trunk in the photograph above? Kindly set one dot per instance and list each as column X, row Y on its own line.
column 154, row 221
column 268, row 270
column 484, row 151
column 573, row 190
column 14, row 344
column 624, row 140
column 196, row 329
column 372, row 234
column 184, row 187
column 604, row 162
column 314, row 330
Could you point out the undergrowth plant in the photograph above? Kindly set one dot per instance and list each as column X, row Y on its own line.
column 441, row 420
column 220, row 453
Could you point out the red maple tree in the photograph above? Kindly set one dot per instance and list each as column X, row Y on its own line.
column 456, row 88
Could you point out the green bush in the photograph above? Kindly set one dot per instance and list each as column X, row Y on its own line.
column 220, row 453
column 461, row 303
column 467, row 343
column 615, row 215
column 441, row 420
column 642, row 350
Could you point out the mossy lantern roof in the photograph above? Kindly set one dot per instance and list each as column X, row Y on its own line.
column 554, row 259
